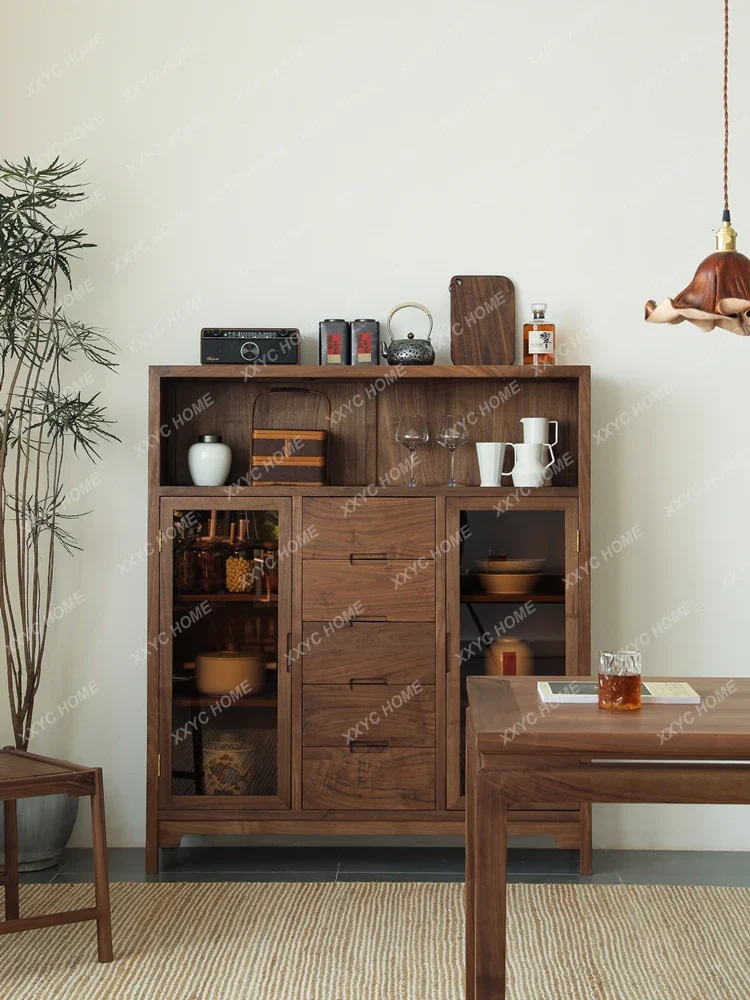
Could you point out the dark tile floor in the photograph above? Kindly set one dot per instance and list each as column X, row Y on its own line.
column 401, row 864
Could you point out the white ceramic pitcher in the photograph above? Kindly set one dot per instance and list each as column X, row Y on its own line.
column 536, row 431
column 529, row 468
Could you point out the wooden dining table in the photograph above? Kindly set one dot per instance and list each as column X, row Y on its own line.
column 521, row 751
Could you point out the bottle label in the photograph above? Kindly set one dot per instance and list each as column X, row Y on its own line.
column 541, row 342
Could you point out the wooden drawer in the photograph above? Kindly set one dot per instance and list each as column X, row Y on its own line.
column 335, row 716
column 382, row 652
column 370, row 779
column 400, row 528
column 332, row 587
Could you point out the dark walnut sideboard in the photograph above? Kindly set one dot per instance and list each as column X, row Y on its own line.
column 367, row 606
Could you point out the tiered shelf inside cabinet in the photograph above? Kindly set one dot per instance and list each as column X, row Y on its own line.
column 322, row 749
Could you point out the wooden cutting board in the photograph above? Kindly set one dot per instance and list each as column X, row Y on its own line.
column 483, row 320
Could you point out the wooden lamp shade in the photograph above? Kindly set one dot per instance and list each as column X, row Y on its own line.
column 718, row 295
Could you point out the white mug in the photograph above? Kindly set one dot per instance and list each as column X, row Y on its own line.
column 491, row 456
column 529, row 468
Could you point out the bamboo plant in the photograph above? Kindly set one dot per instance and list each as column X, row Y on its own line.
column 41, row 420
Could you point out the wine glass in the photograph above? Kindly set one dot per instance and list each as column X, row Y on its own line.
column 411, row 433
column 451, row 434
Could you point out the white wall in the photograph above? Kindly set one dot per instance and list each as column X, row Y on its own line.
column 278, row 163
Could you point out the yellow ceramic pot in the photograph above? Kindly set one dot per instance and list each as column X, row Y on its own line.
column 228, row 671
column 510, row 658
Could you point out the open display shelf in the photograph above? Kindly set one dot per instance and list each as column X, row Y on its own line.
column 366, row 403
column 339, row 637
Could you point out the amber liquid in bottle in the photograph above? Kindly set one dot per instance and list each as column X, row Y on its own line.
column 620, row 691
column 539, row 338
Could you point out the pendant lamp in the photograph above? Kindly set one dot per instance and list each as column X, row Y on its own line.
column 719, row 294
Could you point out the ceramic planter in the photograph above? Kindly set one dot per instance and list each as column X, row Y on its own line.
column 44, row 828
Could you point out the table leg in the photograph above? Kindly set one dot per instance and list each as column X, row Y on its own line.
column 101, row 874
column 586, row 853
column 469, row 899
column 490, row 874
column 152, row 852
column 10, row 818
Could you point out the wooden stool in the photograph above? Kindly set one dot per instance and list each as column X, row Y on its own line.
column 24, row 776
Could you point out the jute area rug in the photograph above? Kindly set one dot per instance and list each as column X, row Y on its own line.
column 381, row 941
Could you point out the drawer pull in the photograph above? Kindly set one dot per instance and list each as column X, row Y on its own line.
column 364, row 681
column 368, row 557
column 354, row 620
column 360, row 747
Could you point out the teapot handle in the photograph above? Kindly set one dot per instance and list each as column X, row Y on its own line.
column 408, row 305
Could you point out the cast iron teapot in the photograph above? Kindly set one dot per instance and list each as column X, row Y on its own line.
column 410, row 351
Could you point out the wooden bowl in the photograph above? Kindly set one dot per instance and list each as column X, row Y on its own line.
column 495, row 565
column 508, row 583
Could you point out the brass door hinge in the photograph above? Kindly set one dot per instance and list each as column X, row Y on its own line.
column 578, row 541
column 158, row 765
column 159, row 538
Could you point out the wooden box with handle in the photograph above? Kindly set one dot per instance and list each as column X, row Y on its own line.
column 289, row 457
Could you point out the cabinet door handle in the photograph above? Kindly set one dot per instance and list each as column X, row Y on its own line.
column 356, row 681
column 368, row 557
column 287, row 656
column 368, row 747
column 448, row 643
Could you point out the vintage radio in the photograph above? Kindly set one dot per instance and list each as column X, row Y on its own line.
column 241, row 346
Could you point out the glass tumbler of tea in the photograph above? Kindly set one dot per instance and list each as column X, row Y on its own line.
column 620, row 680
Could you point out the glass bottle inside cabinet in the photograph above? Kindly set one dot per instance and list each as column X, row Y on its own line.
column 512, row 603
column 224, row 654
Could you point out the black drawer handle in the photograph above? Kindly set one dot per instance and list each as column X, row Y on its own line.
column 360, row 747
column 366, row 681
column 368, row 557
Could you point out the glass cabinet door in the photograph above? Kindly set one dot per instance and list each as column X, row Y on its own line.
column 510, row 610
column 225, row 624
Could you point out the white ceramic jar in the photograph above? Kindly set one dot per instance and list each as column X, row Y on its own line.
column 209, row 461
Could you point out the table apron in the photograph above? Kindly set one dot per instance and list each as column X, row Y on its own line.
column 604, row 781
column 67, row 783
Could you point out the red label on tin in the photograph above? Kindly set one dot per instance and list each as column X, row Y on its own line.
column 333, row 348
column 364, row 345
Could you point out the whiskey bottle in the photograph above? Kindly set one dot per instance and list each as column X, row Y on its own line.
column 539, row 338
